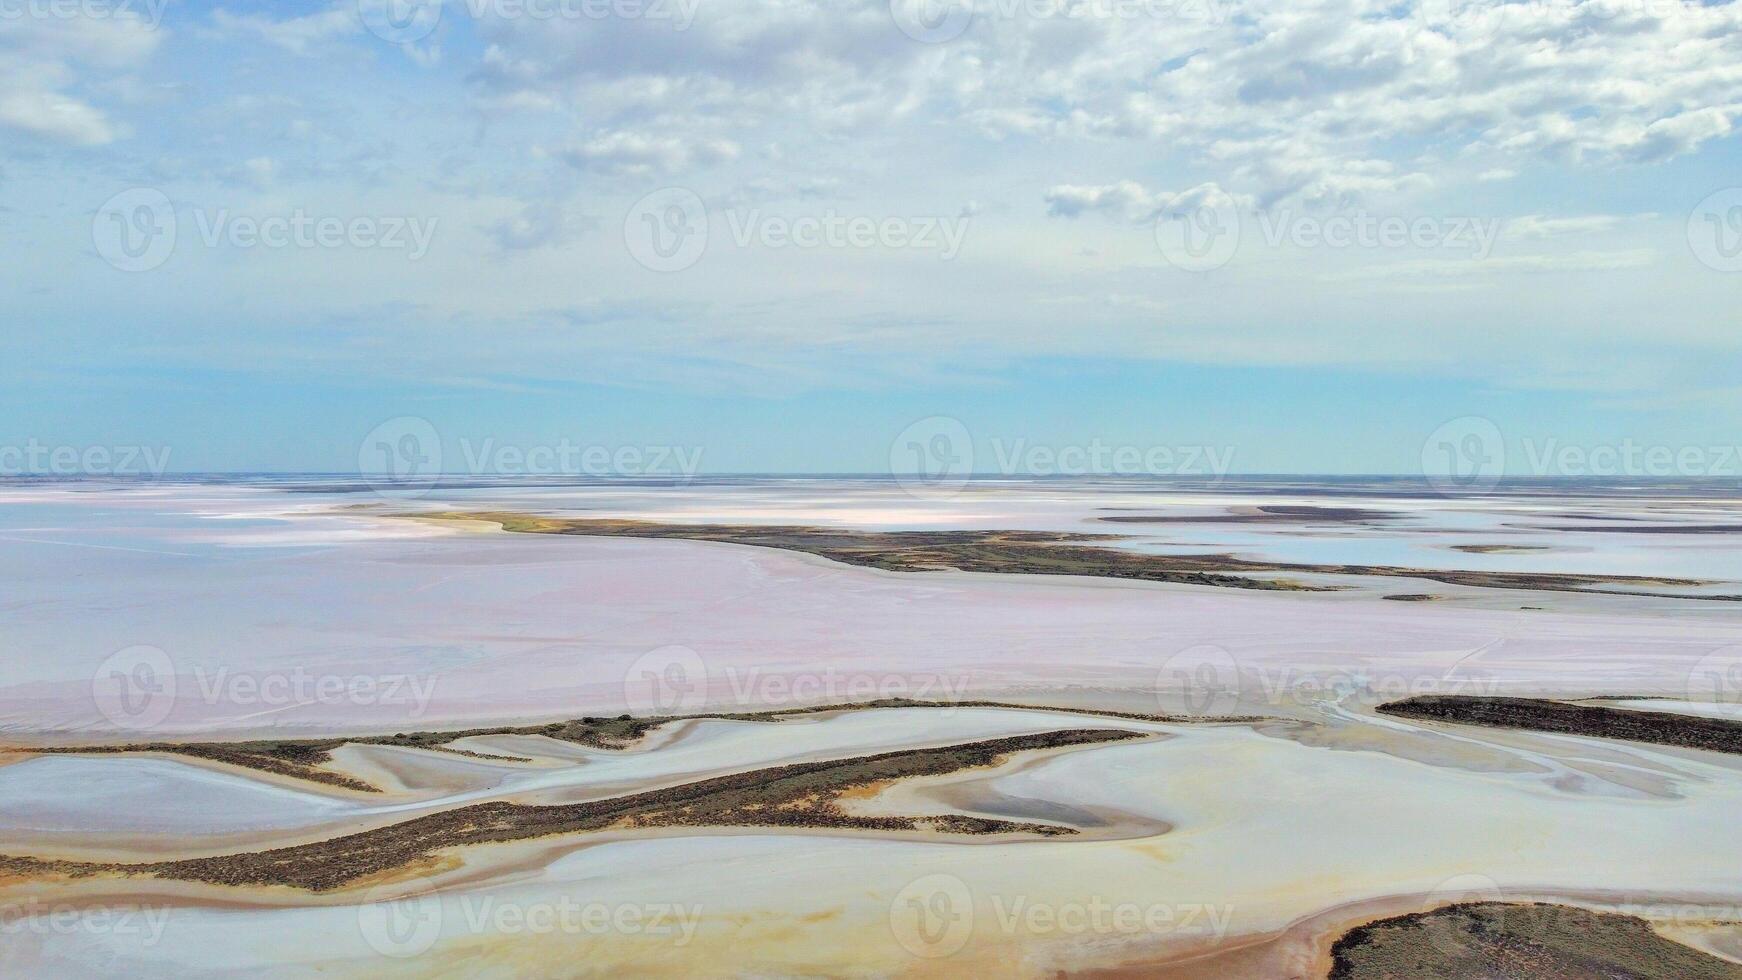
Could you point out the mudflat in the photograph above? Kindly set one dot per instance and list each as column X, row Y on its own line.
column 1054, row 553
column 800, row 795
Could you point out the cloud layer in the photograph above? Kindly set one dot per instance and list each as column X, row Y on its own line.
column 1060, row 132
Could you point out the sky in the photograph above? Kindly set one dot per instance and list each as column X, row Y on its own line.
column 1287, row 236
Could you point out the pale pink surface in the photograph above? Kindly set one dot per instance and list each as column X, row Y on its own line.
column 518, row 626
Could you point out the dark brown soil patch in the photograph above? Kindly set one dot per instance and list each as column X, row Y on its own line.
column 1507, row 941
column 1050, row 553
column 800, row 795
column 303, row 758
column 1540, row 715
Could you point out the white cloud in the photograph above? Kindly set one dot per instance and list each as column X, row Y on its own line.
column 638, row 153
column 56, row 116
column 1675, row 135
column 301, row 36
column 805, row 106
column 1538, row 226
column 536, row 225
column 260, row 171
column 1463, row 267
column 43, row 65
column 1129, row 201
column 1321, row 101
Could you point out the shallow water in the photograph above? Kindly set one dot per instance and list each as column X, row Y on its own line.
column 296, row 612
column 88, row 794
column 252, row 602
column 1264, row 830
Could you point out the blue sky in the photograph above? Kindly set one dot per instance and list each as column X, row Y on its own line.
column 1308, row 234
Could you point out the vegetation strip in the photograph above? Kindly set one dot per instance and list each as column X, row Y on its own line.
column 302, row 758
column 1561, row 717
column 798, row 795
column 1051, row 553
column 1502, row 939
column 1269, row 514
